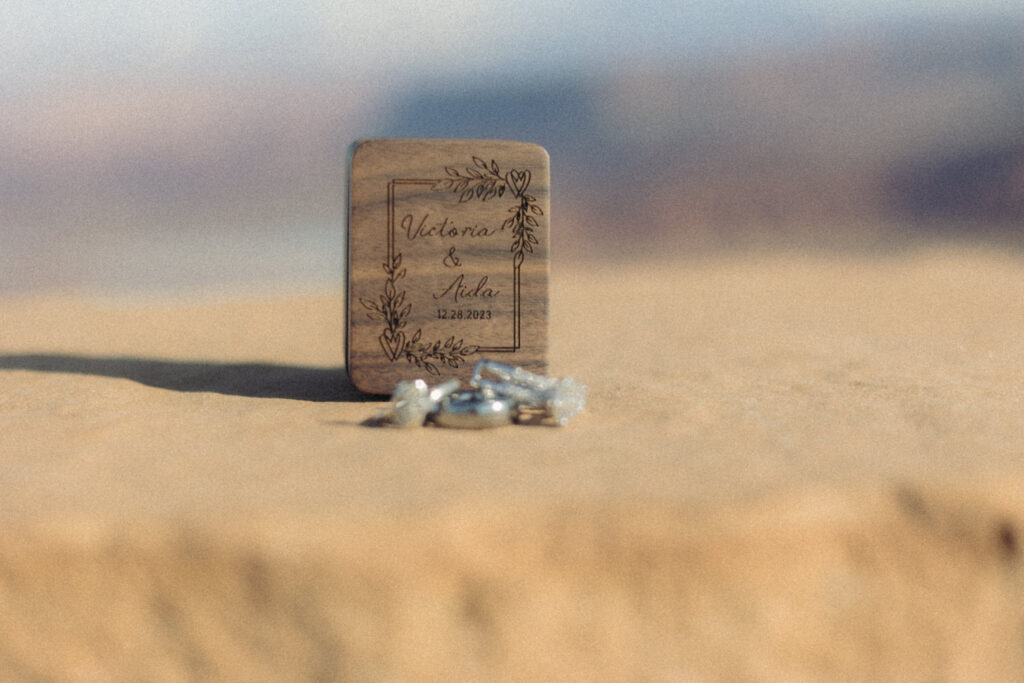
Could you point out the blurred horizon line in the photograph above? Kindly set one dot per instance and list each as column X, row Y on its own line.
column 860, row 138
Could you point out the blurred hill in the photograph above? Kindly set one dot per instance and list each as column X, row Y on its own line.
column 860, row 139
column 849, row 141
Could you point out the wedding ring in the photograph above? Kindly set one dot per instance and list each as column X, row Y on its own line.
column 562, row 399
column 412, row 401
column 500, row 394
column 474, row 410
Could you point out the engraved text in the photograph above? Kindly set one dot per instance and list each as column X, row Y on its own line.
column 459, row 290
column 443, row 229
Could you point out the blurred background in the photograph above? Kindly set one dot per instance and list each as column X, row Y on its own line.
column 189, row 144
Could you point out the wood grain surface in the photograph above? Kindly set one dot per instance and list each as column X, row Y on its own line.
column 448, row 259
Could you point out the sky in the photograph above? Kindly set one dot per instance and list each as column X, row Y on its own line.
column 126, row 157
column 45, row 42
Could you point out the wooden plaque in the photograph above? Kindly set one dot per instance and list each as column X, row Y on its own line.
column 447, row 259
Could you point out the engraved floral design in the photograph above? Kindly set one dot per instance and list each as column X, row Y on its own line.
column 485, row 181
column 428, row 355
column 481, row 181
column 389, row 309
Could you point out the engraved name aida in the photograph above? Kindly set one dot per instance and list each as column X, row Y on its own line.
column 459, row 289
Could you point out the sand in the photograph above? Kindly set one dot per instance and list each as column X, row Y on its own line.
column 792, row 466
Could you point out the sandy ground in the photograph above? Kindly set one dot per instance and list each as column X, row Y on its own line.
column 791, row 467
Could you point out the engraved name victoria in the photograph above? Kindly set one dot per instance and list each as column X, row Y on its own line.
column 448, row 243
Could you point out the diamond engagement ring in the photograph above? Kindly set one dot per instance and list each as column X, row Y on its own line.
column 562, row 399
column 411, row 402
column 500, row 394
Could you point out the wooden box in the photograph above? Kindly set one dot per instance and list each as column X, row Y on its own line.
column 447, row 259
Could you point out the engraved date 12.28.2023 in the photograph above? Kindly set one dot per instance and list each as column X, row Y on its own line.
column 464, row 314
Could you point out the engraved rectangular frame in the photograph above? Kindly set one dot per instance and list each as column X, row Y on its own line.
column 516, row 264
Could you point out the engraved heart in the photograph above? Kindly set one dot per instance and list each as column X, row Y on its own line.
column 393, row 343
column 519, row 180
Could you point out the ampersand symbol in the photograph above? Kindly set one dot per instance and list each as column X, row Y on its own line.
column 451, row 260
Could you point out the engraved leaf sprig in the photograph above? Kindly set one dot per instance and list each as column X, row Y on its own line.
column 451, row 352
column 481, row 180
column 522, row 222
column 388, row 308
column 485, row 181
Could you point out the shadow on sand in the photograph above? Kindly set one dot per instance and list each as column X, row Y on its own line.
column 254, row 380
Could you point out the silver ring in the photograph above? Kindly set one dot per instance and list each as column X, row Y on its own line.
column 411, row 402
column 562, row 399
column 474, row 410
